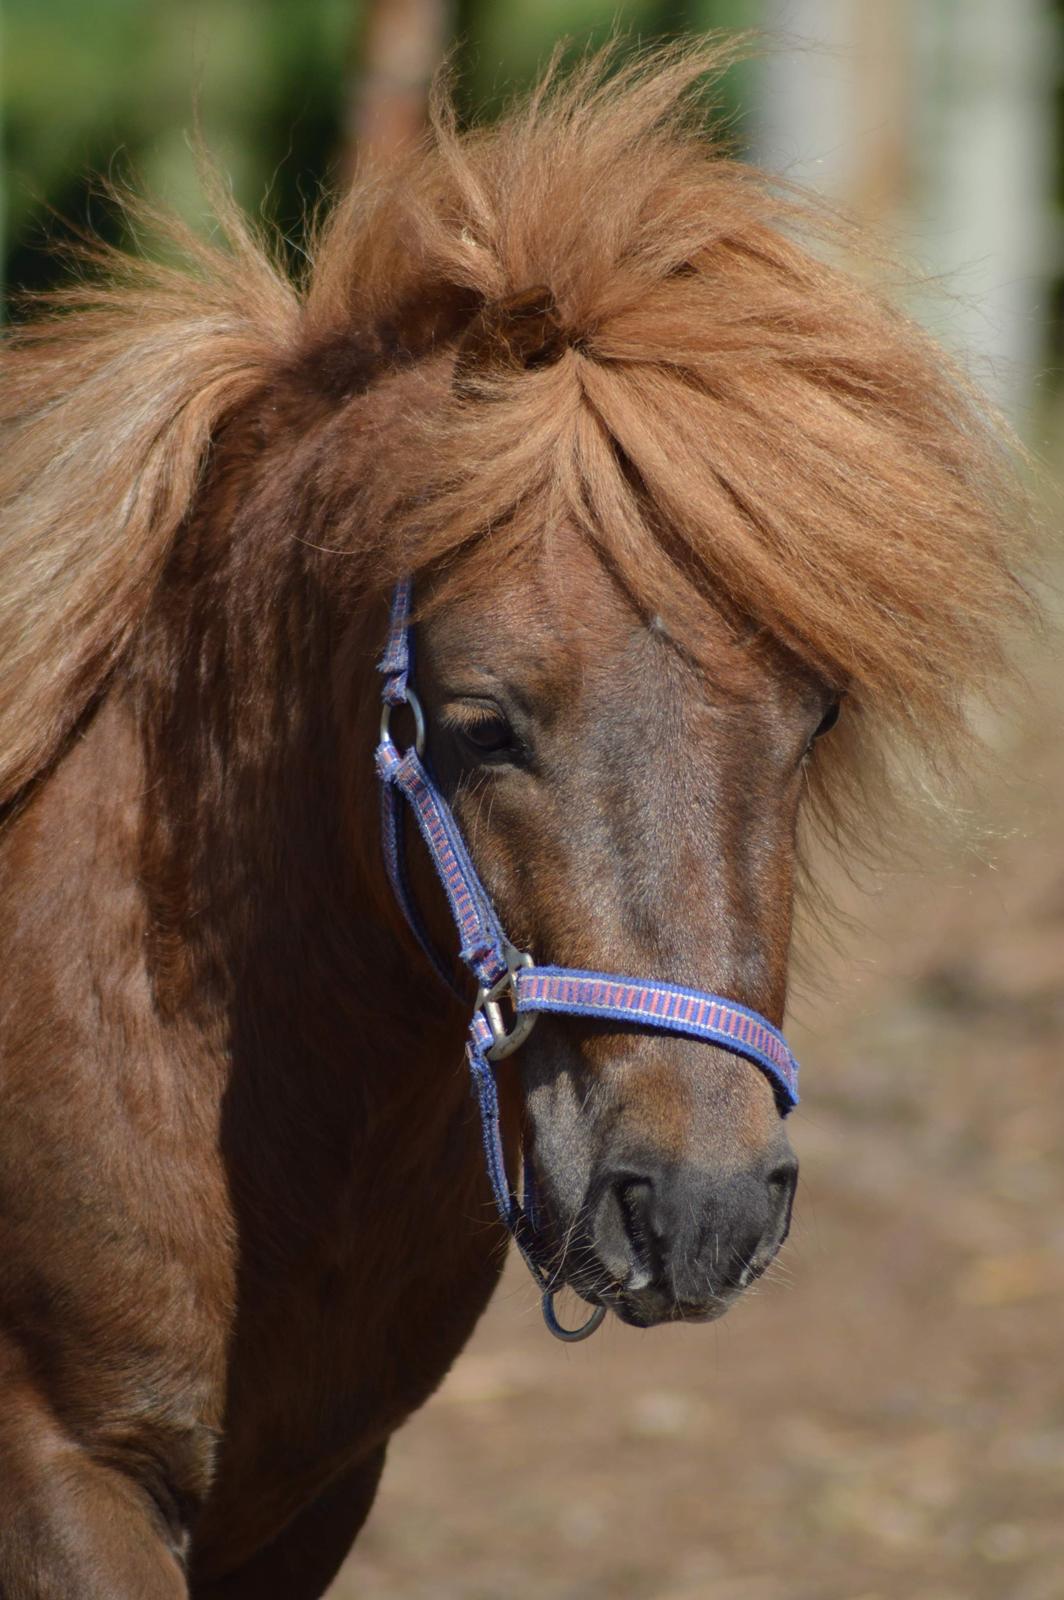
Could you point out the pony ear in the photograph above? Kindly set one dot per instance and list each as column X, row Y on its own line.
column 520, row 331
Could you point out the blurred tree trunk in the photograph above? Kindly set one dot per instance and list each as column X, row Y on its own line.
column 934, row 120
column 400, row 44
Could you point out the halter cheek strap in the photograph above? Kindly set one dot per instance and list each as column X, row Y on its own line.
column 512, row 991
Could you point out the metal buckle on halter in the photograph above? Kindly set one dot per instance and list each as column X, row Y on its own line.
column 504, row 1040
column 419, row 720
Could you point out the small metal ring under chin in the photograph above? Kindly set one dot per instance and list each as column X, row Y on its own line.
column 570, row 1335
column 416, row 712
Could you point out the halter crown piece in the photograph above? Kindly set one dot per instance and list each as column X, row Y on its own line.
column 505, row 975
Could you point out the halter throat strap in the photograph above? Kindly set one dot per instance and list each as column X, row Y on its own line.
column 512, row 991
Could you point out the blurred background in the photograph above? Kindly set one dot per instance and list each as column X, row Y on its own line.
column 883, row 1418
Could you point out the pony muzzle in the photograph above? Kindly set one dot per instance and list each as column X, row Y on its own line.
column 677, row 1242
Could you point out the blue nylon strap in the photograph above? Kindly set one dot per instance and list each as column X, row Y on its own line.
column 392, row 838
column 395, row 662
column 482, row 939
column 665, row 1008
column 488, row 1100
column 519, row 1219
column 642, row 1003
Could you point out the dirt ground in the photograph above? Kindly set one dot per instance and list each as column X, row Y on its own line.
column 883, row 1418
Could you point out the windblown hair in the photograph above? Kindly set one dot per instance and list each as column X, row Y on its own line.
column 640, row 348
column 107, row 408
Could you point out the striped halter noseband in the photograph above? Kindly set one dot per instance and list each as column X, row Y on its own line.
column 509, row 978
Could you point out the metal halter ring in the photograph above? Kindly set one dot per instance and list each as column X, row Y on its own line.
column 504, row 1040
column 570, row 1335
column 419, row 720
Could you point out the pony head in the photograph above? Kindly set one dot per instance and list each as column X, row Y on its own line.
column 678, row 494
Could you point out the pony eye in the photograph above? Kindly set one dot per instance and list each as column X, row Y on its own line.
column 489, row 734
column 828, row 720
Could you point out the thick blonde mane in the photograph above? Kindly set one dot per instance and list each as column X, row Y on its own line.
column 728, row 417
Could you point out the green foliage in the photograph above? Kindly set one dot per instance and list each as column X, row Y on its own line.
column 111, row 87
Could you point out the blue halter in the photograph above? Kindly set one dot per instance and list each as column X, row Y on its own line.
column 508, row 977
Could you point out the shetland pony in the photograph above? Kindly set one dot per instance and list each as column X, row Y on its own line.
column 673, row 491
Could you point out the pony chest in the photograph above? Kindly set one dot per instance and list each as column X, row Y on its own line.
column 334, row 1353
column 358, row 1291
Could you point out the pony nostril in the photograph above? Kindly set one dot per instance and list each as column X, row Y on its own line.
column 635, row 1199
column 783, row 1179
column 624, row 1231
column 782, row 1182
